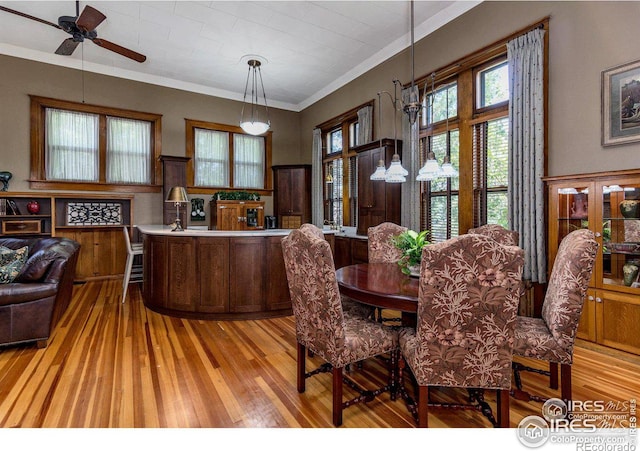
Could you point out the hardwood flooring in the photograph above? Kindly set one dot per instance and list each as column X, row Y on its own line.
column 113, row 365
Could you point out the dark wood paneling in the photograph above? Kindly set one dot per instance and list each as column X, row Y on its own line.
column 342, row 252
column 359, row 251
column 182, row 289
column 247, row 274
column 277, row 296
column 292, row 192
column 213, row 273
column 174, row 173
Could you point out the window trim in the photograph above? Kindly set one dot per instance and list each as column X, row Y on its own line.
column 37, row 179
column 192, row 124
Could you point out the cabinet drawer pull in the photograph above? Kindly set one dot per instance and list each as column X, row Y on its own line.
column 598, row 299
column 598, row 234
column 590, row 298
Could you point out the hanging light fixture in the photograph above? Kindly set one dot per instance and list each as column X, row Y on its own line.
column 413, row 107
column 256, row 121
column 395, row 173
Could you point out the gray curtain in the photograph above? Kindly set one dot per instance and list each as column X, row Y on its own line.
column 410, row 190
column 317, row 208
column 525, row 55
column 365, row 122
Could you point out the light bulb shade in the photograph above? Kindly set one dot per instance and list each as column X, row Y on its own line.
column 255, row 128
column 396, row 173
column 380, row 172
column 177, row 194
column 254, row 118
column 447, row 169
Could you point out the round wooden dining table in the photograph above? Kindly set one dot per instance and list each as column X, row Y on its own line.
column 380, row 285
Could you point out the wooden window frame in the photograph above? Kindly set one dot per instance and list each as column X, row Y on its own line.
column 345, row 122
column 38, row 180
column 191, row 125
column 464, row 70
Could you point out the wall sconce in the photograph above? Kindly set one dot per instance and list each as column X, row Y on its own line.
column 177, row 195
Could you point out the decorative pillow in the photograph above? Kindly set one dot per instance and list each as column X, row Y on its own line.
column 11, row 263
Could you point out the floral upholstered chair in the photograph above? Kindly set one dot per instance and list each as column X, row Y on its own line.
column 551, row 337
column 380, row 247
column 349, row 306
column 382, row 250
column 498, row 233
column 467, row 309
column 321, row 325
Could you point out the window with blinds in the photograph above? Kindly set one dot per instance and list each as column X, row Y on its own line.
column 491, row 171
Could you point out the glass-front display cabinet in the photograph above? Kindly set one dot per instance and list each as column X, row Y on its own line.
column 609, row 205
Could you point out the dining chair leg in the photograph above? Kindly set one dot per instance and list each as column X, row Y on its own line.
column 565, row 382
column 127, row 276
column 301, row 368
column 502, row 398
column 553, row 375
column 337, row 396
column 423, row 406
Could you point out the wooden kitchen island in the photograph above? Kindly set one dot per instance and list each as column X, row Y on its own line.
column 218, row 275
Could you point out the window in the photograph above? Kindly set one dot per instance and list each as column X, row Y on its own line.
column 340, row 137
column 440, row 196
column 222, row 156
column 79, row 146
column 469, row 124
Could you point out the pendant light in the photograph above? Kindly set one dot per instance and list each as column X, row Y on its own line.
column 256, row 121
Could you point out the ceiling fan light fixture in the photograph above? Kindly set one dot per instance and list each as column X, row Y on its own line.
column 254, row 118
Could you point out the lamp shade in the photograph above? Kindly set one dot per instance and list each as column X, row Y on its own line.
column 447, row 168
column 254, row 118
column 177, row 194
column 396, row 173
column 380, row 172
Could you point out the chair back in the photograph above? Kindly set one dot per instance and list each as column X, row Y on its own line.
column 127, row 241
column 312, row 229
column 381, row 248
column 315, row 296
column 467, row 308
column 568, row 284
column 498, row 233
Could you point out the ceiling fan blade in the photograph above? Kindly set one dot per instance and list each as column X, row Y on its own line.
column 27, row 16
column 119, row 49
column 67, row 47
column 90, row 19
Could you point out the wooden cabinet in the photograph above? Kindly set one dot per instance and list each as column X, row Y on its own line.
column 378, row 201
column 103, row 252
column 611, row 312
column 15, row 218
column 236, row 215
column 277, row 291
column 292, row 195
column 350, row 250
column 212, row 272
column 95, row 221
column 247, row 274
column 174, row 173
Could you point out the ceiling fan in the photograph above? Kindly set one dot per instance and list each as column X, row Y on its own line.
column 81, row 27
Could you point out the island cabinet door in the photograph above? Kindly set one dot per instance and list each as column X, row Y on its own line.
column 277, row 288
column 213, row 260
column 247, row 261
column 182, row 288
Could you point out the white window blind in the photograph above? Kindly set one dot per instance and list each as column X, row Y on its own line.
column 71, row 145
column 211, row 158
column 128, row 151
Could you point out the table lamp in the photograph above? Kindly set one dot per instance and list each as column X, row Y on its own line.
column 177, row 195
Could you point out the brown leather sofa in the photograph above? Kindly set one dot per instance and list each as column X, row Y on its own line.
column 31, row 306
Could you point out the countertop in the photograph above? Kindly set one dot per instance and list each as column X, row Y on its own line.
column 154, row 229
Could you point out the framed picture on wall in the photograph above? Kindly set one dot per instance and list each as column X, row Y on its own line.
column 621, row 104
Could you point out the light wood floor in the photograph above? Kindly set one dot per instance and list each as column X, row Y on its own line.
column 114, row 365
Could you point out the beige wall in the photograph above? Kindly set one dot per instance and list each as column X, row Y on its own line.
column 19, row 78
column 584, row 39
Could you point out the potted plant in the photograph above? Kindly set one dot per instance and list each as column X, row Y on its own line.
column 411, row 244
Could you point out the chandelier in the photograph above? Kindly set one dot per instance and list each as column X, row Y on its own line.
column 256, row 119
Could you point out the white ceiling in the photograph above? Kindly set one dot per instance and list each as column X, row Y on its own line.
column 309, row 48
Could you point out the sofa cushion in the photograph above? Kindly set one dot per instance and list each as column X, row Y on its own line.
column 11, row 263
column 37, row 265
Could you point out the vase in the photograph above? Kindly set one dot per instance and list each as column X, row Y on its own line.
column 630, row 208
column 630, row 272
column 33, row 207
